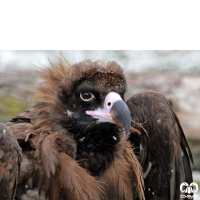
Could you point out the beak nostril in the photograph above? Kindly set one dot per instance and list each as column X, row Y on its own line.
column 109, row 103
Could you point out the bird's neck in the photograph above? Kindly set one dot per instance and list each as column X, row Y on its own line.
column 95, row 149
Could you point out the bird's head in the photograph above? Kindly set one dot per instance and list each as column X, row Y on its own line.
column 96, row 94
column 84, row 95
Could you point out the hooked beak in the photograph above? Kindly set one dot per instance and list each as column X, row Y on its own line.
column 114, row 111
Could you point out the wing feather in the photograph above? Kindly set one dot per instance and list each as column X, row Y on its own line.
column 164, row 152
column 10, row 160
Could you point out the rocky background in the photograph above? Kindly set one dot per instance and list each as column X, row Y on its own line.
column 180, row 85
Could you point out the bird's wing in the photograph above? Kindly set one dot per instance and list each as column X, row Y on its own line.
column 21, row 124
column 162, row 148
column 10, row 160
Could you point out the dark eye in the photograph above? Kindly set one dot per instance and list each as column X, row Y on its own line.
column 86, row 96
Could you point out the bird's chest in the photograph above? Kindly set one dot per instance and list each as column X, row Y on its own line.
column 96, row 153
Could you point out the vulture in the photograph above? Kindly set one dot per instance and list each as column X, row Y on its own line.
column 83, row 141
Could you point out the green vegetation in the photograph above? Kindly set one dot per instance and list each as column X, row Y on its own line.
column 11, row 106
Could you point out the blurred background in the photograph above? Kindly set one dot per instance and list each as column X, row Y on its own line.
column 175, row 74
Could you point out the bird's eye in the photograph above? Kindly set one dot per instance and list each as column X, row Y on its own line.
column 86, row 96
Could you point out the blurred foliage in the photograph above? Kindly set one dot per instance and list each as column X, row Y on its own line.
column 195, row 70
column 11, row 106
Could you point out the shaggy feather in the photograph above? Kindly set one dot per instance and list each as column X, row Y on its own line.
column 72, row 157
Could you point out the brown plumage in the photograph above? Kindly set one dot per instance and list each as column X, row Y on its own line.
column 75, row 145
column 10, row 159
column 163, row 150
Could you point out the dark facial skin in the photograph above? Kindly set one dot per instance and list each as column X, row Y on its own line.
column 78, row 106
